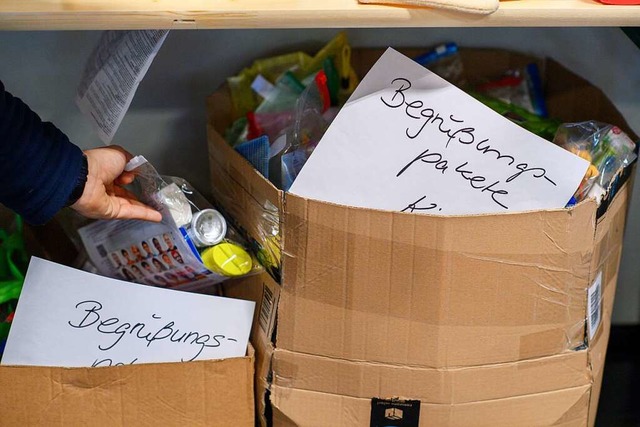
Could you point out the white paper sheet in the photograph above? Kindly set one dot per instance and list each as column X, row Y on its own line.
column 67, row 317
column 112, row 75
column 409, row 141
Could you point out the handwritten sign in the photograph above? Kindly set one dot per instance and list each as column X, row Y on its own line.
column 67, row 317
column 409, row 141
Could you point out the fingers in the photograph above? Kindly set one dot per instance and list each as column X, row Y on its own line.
column 132, row 209
column 126, row 206
column 125, row 178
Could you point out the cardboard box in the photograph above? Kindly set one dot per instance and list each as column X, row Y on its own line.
column 298, row 389
column 363, row 287
column 203, row 393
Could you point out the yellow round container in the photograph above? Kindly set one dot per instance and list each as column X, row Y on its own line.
column 227, row 259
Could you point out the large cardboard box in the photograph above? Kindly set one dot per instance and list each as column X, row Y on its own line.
column 435, row 295
column 301, row 389
column 202, row 393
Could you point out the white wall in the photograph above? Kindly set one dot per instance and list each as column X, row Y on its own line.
column 166, row 121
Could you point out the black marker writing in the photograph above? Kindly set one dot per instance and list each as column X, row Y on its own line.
column 142, row 331
column 454, row 129
column 110, row 362
column 415, row 110
column 477, row 183
column 429, row 157
column 425, row 207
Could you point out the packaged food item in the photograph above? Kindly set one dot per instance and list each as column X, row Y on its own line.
column 170, row 253
column 606, row 147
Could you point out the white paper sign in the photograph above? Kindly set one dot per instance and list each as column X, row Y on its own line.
column 112, row 75
column 68, row 317
column 409, row 141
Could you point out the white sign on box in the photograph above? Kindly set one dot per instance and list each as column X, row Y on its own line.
column 407, row 140
column 71, row 318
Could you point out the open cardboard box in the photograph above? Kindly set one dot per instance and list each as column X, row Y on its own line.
column 201, row 393
column 368, row 297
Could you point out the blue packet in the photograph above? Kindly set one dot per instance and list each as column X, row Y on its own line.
column 257, row 152
column 292, row 164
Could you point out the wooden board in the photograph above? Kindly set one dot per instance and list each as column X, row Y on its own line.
column 201, row 14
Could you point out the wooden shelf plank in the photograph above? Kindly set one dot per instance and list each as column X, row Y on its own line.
column 201, row 14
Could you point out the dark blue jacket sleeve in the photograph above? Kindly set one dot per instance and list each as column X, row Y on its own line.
column 39, row 166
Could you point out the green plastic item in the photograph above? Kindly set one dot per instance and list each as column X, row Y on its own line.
column 13, row 262
column 543, row 127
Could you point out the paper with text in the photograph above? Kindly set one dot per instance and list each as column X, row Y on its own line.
column 409, row 141
column 112, row 75
column 71, row 318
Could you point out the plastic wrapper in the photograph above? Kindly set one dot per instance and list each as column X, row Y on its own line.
column 282, row 96
column 445, row 61
column 307, row 129
column 191, row 249
column 521, row 87
column 543, row 127
column 301, row 65
column 606, row 147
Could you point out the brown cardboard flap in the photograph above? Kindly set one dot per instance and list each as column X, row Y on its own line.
column 443, row 386
column 425, row 290
column 568, row 407
column 204, row 393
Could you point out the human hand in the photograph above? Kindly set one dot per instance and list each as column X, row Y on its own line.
column 103, row 196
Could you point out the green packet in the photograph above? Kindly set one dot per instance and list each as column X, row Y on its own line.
column 543, row 127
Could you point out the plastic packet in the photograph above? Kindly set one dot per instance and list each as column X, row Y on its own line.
column 243, row 97
column 606, row 147
column 280, row 97
column 307, row 129
column 269, row 124
column 444, row 60
column 257, row 152
column 237, row 132
column 191, row 249
column 293, row 147
column 544, row 127
column 521, row 87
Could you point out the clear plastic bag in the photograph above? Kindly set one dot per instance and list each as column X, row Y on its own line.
column 191, row 249
column 308, row 127
column 606, row 147
column 521, row 87
column 444, row 60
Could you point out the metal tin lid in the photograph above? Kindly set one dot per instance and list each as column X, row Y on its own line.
column 208, row 227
